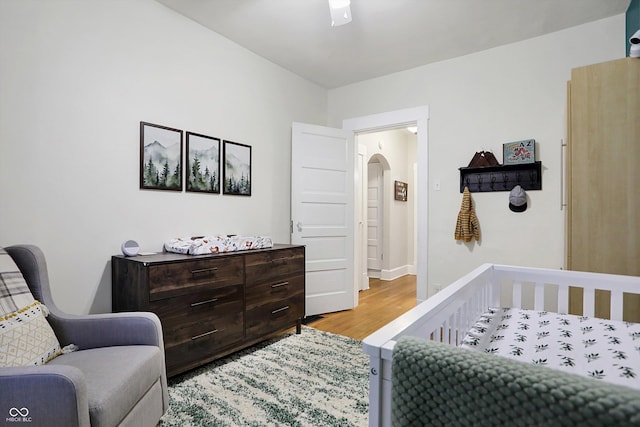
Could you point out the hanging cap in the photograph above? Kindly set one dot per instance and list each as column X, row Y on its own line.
column 518, row 199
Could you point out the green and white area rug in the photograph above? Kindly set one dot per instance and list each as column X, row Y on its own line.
column 312, row 379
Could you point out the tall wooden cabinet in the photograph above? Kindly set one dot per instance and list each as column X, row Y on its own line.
column 603, row 174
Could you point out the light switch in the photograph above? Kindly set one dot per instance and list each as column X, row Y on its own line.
column 436, row 184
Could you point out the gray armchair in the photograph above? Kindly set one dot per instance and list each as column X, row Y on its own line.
column 117, row 376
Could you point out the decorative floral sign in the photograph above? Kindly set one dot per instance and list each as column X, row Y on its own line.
column 519, row 152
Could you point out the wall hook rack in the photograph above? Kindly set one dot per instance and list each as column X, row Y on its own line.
column 502, row 177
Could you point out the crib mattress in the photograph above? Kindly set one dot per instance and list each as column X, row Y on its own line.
column 601, row 349
column 217, row 243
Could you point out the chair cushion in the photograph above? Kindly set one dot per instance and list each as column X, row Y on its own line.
column 26, row 338
column 116, row 377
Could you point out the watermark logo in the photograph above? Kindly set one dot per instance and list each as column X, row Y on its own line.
column 18, row 415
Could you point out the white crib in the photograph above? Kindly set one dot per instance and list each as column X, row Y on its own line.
column 449, row 314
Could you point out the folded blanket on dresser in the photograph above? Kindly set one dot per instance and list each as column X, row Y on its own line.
column 442, row 385
column 216, row 243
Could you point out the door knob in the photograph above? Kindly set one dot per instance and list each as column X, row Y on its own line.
column 299, row 226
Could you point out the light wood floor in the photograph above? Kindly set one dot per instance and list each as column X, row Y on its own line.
column 381, row 303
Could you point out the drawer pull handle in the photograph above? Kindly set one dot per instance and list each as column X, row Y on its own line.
column 204, row 335
column 284, row 258
column 278, row 285
column 204, row 270
column 286, row 307
column 195, row 304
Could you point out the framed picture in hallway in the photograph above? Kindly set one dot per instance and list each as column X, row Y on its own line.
column 400, row 192
column 160, row 157
column 236, row 169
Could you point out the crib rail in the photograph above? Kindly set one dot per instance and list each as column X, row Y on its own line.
column 545, row 280
column 455, row 307
column 448, row 315
column 444, row 317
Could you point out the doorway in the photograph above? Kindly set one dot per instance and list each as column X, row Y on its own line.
column 418, row 116
column 390, row 229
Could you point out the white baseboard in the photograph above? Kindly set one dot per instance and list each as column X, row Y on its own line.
column 392, row 274
column 396, row 272
column 374, row 274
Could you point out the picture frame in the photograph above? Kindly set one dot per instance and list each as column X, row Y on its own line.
column 236, row 169
column 400, row 191
column 160, row 157
column 203, row 163
column 519, row 152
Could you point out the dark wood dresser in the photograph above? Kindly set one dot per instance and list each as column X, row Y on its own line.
column 213, row 305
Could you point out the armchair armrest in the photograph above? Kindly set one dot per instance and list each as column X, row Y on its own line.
column 44, row 395
column 85, row 331
column 104, row 330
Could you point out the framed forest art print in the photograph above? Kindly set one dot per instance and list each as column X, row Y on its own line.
column 160, row 157
column 237, row 169
column 203, row 163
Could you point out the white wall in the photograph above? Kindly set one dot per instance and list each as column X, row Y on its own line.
column 76, row 78
column 399, row 150
column 481, row 101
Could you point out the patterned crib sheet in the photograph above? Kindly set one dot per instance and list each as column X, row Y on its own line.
column 216, row 244
column 597, row 348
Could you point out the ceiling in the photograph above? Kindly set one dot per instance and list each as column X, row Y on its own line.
column 385, row 36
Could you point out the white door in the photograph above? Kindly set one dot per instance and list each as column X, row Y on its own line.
column 322, row 214
column 362, row 184
column 374, row 217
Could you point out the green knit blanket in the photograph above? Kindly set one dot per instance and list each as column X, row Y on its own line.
column 441, row 385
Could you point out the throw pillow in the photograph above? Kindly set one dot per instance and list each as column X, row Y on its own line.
column 26, row 338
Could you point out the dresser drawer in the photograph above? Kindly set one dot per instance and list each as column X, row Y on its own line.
column 274, row 315
column 198, row 306
column 269, row 265
column 275, row 291
column 171, row 279
column 220, row 328
column 189, row 345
